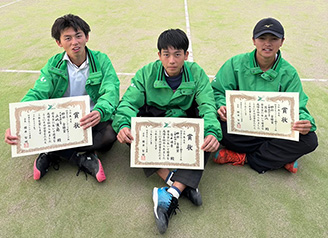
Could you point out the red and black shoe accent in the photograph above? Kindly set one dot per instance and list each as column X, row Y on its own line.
column 89, row 163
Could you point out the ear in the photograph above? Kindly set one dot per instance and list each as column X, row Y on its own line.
column 58, row 43
column 253, row 40
column 159, row 54
column 282, row 41
column 186, row 55
column 87, row 38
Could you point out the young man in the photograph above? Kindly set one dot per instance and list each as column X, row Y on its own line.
column 171, row 87
column 263, row 70
column 75, row 72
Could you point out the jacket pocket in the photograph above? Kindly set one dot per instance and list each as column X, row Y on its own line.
column 94, row 81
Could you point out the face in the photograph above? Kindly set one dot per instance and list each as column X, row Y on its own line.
column 73, row 43
column 267, row 46
column 173, row 60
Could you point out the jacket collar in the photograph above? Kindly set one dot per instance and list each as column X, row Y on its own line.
column 187, row 79
column 270, row 74
column 61, row 66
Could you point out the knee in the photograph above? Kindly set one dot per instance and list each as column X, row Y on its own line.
column 311, row 140
column 108, row 136
column 104, row 142
column 108, row 141
column 314, row 143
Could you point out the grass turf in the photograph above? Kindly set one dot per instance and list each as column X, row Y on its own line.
column 238, row 202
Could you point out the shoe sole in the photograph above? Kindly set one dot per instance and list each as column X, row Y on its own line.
column 36, row 172
column 155, row 200
column 101, row 174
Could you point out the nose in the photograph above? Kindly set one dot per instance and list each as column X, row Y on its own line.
column 267, row 42
column 171, row 59
column 74, row 41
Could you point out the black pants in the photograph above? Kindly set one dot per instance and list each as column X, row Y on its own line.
column 265, row 154
column 187, row 177
column 103, row 137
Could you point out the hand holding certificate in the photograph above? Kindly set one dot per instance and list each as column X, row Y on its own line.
column 49, row 125
column 167, row 142
column 263, row 114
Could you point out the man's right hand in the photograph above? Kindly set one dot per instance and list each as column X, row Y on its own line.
column 9, row 139
column 223, row 113
column 125, row 136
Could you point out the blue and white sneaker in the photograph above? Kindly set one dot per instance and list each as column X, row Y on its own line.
column 164, row 207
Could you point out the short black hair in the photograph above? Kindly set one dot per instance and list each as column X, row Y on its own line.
column 66, row 21
column 175, row 38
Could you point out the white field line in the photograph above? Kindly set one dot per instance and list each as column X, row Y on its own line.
column 8, row 4
column 191, row 56
column 308, row 80
column 19, row 71
column 130, row 74
column 38, row 72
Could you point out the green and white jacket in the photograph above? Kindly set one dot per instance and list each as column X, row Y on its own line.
column 102, row 84
column 149, row 87
column 242, row 72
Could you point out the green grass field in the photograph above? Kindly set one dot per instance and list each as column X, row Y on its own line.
column 237, row 202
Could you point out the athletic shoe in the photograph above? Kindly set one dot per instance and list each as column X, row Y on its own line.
column 164, row 207
column 228, row 156
column 292, row 167
column 89, row 163
column 42, row 164
column 193, row 195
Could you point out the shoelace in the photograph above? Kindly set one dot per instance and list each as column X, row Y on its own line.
column 83, row 170
column 55, row 163
column 173, row 207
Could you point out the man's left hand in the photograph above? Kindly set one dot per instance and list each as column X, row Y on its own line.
column 211, row 144
column 90, row 120
column 303, row 126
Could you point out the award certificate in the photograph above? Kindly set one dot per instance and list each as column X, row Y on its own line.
column 166, row 142
column 49, row 125
column 263, row 114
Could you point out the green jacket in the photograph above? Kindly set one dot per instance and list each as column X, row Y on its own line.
column 242, row 72
column 102, row 85
column 150, row 87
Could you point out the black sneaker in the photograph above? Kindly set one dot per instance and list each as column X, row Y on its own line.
column 89, row 163
column 164, row 207
column 193, row 195
column 42, row 164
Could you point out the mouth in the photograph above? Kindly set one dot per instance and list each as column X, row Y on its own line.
column 76, row 49
column 267, row 50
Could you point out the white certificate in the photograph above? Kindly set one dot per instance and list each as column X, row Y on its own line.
column 263, row 114
column 49, row 125
column 166, row 142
